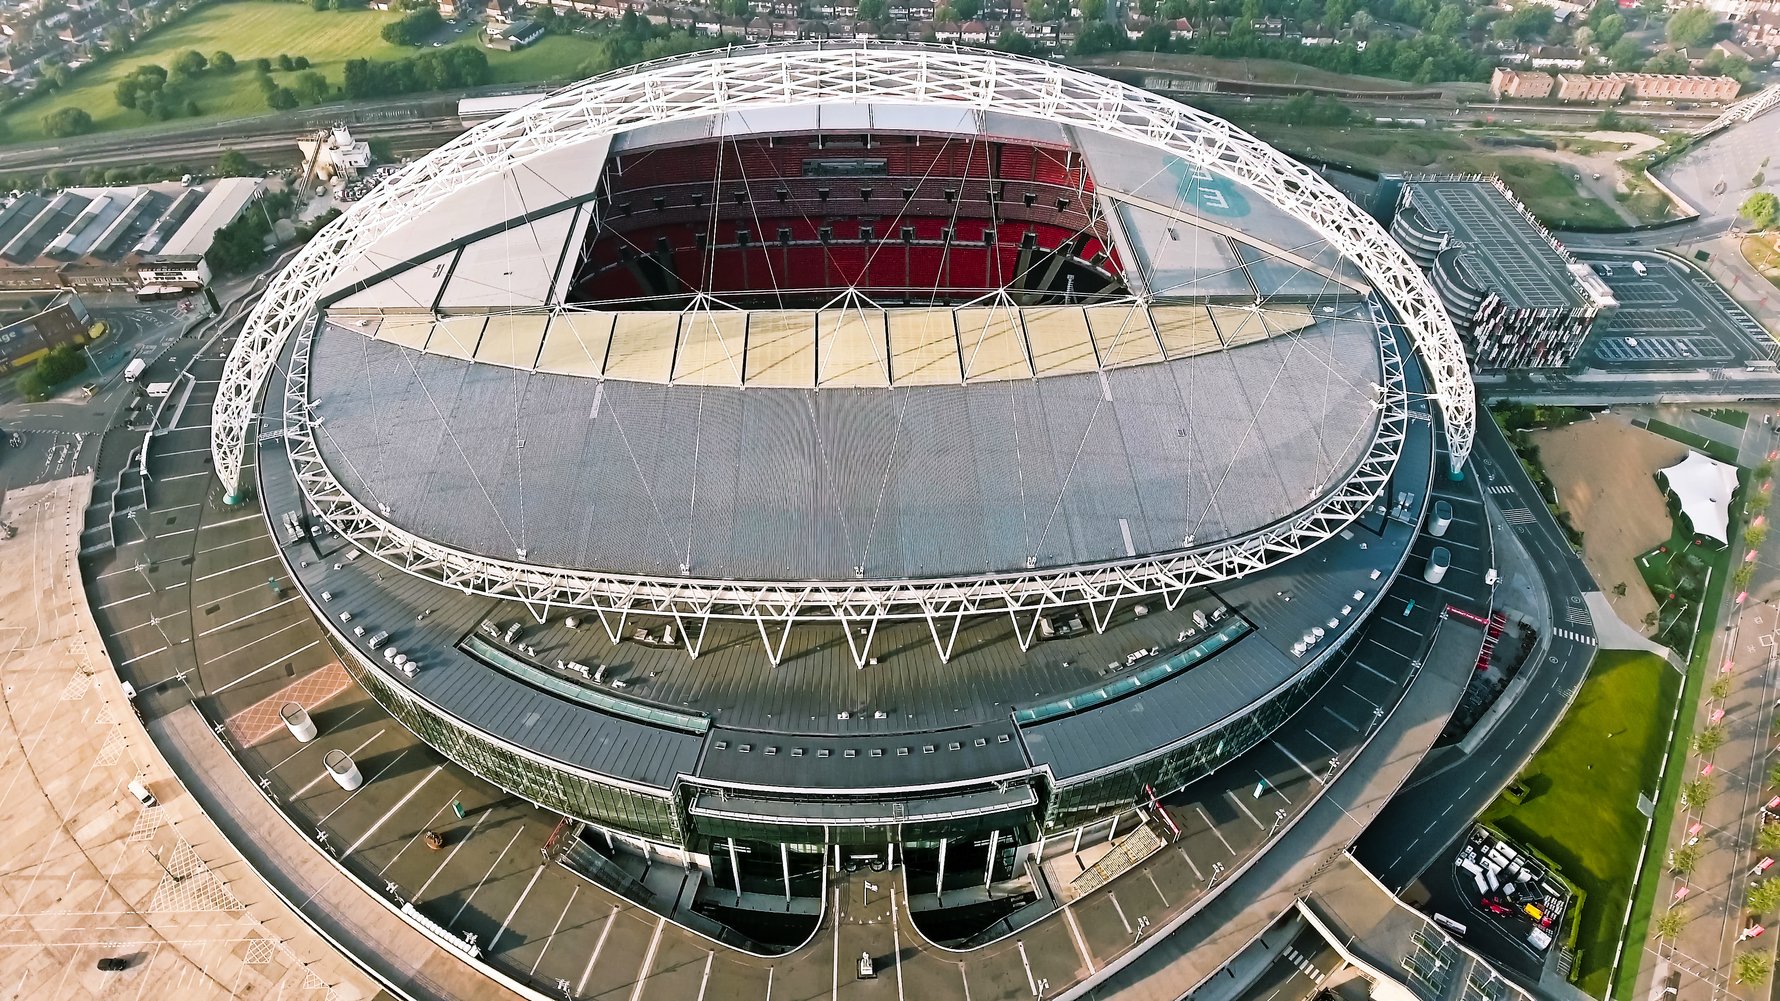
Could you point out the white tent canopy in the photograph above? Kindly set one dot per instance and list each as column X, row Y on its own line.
column 1704, row 486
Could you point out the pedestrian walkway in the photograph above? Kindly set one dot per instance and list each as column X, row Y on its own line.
column 92, row 874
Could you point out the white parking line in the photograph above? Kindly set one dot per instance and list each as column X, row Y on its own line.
column 502, row 930
column 1301, row 765
column 367, row 783
column 1240, row 805
column 237, row 542
column 145, row 656
column 231, row 521
column 428, row 777
column 649, row 959
column 324, row 772
column 594, row 956
column 417, row 834
column 123, row 601
column 705, row 981
column 573, row 892
column 182, row 476
column 303, row 747
column 1213, row 827
column 273, row 664
column 1075, row 935
column 474, row 890
column 238, row 566
column 249, row 615
column 480, row 817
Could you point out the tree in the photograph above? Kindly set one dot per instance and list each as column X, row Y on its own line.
column 190, row 63
column 1767, row 839
column 1669, row 923
column 1762, row 209
column 310, row 87
column 1709, row 740
column 262, row 65
column 191, row 108
column 1690, row 26
column 234, row 163
column 1625, row 54
column 1684, row 860
column 1751, row 967
column 416, row 25
column 1695, row 793
column 1093, row 10
column 1721, row 689
column 285, row 62
column 1666, row 62
column 65, row 122
column 1611, row 29
column 1755, row 535
column 222, row 62
column 281, row 99
column 56, row 367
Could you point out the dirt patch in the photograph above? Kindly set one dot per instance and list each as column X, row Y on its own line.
column 1604, row 473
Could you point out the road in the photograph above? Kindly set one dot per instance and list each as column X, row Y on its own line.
column 1440, row 801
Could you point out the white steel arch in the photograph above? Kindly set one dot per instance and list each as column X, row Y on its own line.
column 801, row 74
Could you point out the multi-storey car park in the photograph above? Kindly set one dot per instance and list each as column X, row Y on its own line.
column 1519, row 299
column 897, row 454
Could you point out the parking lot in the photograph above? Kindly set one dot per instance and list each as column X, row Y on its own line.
column 1671, row 317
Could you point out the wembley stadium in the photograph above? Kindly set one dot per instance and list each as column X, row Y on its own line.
column 912, row 449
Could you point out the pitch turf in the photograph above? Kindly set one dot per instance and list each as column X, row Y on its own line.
column 1582, row 811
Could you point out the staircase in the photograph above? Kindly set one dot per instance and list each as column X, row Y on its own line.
column 1491, row 633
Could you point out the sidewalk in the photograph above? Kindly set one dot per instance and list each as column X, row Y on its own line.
column 92, row 874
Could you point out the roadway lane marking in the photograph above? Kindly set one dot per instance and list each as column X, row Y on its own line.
column 598, row 946
column 243, row 618
column 502, row 930
column 1301, row 765
column 497, row 861
column 574, row 890
column 1240, row 805
column 1075, row 935
column 268, row 667
column 399, row 804
column 324, row 772
column 649, row 959
column 238, row 566
column 705, row 981
column 1214, row 829
column 367, row 783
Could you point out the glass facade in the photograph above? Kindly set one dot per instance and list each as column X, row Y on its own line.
column 555, row 788
column 1076, row 803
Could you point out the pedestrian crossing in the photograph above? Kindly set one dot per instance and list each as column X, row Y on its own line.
column 1297, row 959
column 1517, row 515
column 1499, row 489
column 1574, row 637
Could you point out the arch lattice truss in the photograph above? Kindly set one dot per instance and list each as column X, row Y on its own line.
column 791, row 75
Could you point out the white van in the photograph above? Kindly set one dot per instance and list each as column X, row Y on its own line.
column 140, row 791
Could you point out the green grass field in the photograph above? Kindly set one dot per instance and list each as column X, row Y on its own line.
column 1719, row 450
column 1541, row 184
column 553, row 59
column 1582, row 809
column 247, row 29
